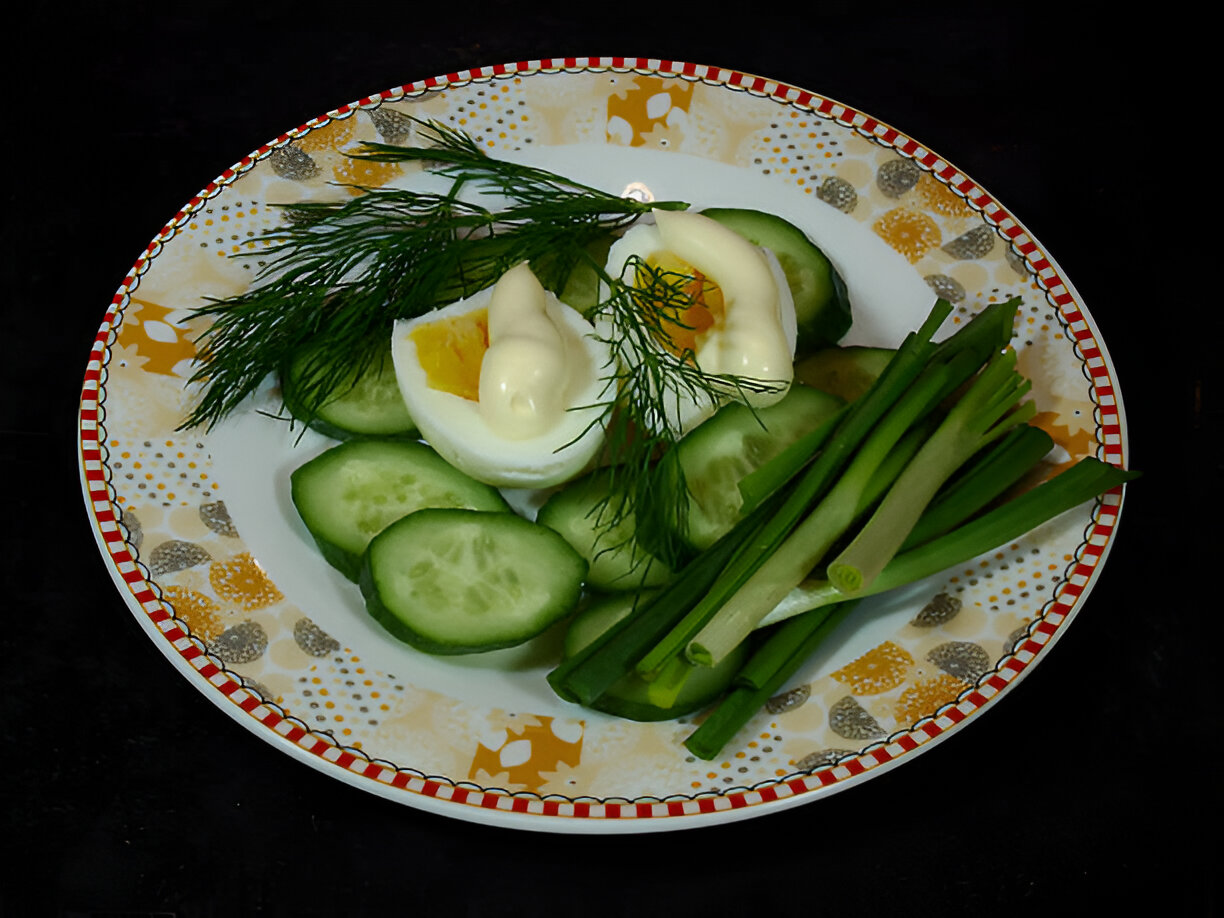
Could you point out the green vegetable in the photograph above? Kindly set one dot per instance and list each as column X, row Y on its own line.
column 796, row 547
column 366, row 404
column 985, row 479
column 453, row 581
column 577, row 512
column 899, row 484
column 660, row 628
column 806, row 544
column 581, row 288
column 1083, row 481
column 793, row 641
column 933, row 408
column 846, row 372
column 351, row 492
column 649, row 378
column 809, row 486
column 733, row 443
column 984, row 413
column 779, row 470
column 586, row 675
column 766, row 672
column 687, row 689
column 339, row 275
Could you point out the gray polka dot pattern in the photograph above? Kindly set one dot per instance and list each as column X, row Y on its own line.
column 848, row 719
column 176, row 555
column 976, row 243
column 839, row 193
column 821, row 758
column 216, row 517
column 897, row 176
column 243, row 643
column 962, row 659
column 788, row 701
column 945, row 287
column 291, row 163
column 313, row 639
column 392, row 126
column 942, row 607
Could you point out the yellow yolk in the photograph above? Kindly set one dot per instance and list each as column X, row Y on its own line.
column 683, row 325
column 451, row 352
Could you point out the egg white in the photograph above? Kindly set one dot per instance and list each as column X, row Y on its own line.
column 454, row 427
column 683, row 411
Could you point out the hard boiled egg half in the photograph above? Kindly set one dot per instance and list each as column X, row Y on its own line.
column 738, row 317
column 506, row 384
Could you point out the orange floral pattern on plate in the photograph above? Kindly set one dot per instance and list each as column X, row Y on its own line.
column 162, row 344
column 241, row 581
column 638, row 112
column 528, row 756
column 877, row 671
column 909, row 232
column 925, row 697
column 201, row 615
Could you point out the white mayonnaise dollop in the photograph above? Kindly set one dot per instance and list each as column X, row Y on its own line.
column 525, row 371
column 751, row 340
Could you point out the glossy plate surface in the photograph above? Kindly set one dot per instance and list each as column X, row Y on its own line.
column 205, row 547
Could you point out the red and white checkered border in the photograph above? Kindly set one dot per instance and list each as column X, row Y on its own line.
column 144, row 597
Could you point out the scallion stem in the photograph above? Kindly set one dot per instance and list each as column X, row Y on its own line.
column 989, row 477
column 792, row 643
column 782, row 468
column 731, row 615
column 1083, row 481
column 775, row 662
column 587, row 674
column 905, row 366
column 785, row 567
column 981, row 415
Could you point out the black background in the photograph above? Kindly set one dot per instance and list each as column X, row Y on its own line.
column 124, row 791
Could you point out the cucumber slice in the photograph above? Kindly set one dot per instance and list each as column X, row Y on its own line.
column 581, row 290
column 631, row 696
column 721, row 451
column 350, row 493
column 452, row 581
column 846, row 372
column 369, row 405
column 615, row 559
column 822, row 305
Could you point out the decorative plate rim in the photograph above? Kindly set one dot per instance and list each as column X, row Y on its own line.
column 528, row 810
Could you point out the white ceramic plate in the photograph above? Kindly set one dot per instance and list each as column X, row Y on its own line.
column 205, row 547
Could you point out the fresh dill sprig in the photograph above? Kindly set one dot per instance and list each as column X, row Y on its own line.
column 341, row 273
column 455, row 155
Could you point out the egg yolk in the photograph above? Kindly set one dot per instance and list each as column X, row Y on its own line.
column 684, row 318
column 451, row 352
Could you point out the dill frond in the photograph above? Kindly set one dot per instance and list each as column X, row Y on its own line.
column 340, row 274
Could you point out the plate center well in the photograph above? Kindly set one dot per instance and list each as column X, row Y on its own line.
column 254, row 455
